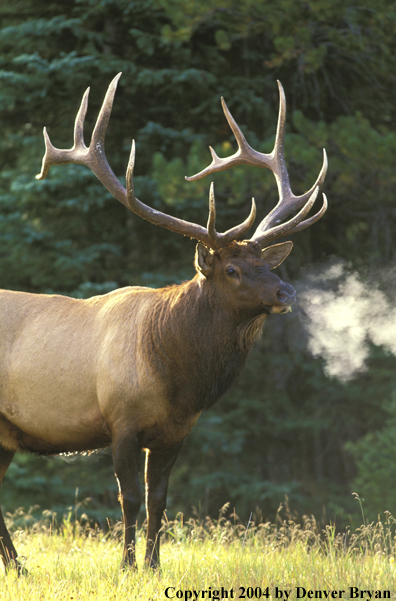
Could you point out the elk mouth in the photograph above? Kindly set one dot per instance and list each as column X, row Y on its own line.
column 277, row 308
column 285, row 302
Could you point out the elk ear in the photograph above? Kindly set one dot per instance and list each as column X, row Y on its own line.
column 204, row 260
column 276, row 254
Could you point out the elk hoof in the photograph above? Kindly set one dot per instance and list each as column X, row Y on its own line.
column 15, row 565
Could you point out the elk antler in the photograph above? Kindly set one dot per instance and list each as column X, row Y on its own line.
column 94, row 157
column 271, row 227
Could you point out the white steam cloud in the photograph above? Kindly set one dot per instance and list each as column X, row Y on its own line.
column 343, row 315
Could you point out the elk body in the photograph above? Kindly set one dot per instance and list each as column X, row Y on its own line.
column 135, row 368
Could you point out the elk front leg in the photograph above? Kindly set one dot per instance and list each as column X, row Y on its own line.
column 7, row 550
column 126, row 455
column 158, row 467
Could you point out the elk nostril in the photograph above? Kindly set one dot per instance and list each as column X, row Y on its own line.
column 282, row 296
column 285, row 297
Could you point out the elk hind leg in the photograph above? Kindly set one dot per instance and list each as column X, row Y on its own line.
column 7, row 550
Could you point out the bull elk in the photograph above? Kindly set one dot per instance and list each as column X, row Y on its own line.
column 135, row 368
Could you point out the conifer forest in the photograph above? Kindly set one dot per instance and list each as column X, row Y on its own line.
column 312, row 418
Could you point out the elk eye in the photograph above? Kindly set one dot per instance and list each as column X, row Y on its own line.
column 230, row 271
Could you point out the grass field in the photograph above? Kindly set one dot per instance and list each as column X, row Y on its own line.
column 213, row 560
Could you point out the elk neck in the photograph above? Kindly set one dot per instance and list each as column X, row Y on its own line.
column 199, row 344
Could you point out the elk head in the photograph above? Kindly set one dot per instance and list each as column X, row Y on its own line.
column 235, row 264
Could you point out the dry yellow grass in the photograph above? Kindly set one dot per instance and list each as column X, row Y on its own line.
column 208, row 559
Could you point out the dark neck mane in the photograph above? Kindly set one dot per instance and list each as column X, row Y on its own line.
column 202, row 347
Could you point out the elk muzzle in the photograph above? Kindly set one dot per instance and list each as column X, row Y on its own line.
column 285, row 296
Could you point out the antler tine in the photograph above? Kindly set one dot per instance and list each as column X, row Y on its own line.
column 311, row 220
column 275, row 161
column 265, row 231
column 241, row 155
column 99, row 132
column 219, row 240
column 288, row 202
column 54, row 156
column 239, row 230
column 210, row 226
column 296, row 224
column 93, row 157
